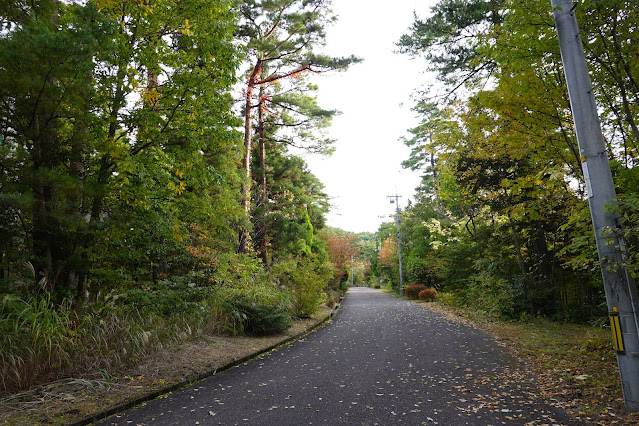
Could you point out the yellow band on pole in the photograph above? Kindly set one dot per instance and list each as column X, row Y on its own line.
column 615, row 324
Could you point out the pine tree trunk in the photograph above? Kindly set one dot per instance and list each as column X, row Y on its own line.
column 262, row 231
column 244, row 236
column 43, row 137
column 43, row 148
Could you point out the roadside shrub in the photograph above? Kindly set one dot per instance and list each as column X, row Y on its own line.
column 428, row 295
column 305, row 281
column 490, row 294
column 332, row 298
column 260, row 309
column 165, row 298
column 237, row 270
column 412, row 291
column 259, row 318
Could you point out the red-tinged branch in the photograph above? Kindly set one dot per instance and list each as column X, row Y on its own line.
column 275, row 77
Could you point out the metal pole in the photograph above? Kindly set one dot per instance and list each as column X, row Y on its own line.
column 379, row 250
column 399, row 243
column 352, row 280
column 621, row 292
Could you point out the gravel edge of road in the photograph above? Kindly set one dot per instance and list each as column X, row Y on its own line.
column 119, row 408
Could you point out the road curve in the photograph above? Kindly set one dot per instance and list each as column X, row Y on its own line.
column 381, row 361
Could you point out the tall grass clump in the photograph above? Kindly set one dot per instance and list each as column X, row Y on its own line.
column 42, row 341
column 119, row 337
column 36, row 339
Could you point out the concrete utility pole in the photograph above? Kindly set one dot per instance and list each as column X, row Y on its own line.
column 621, row 292
column 395, row 199
column 352, row 279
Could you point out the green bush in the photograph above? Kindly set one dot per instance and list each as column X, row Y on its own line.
column 428, row 295
column 412, row 291
column 259, row 309
column 305, row 281
column 488, row 293
column 166, row 298
column 258, row 318
column 332, row 298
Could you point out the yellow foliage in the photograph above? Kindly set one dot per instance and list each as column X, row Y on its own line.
column 177, row 233
column 178, row 189
column 187, row 28
column 150, row 96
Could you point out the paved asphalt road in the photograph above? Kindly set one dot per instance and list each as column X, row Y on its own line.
column 381, row 361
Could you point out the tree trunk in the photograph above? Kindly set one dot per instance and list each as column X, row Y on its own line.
column 42, row 188
column 43, row 137
column 261, row 232
column 543, row 268
column 246, row 160
column 520, row 257
column 78, row 275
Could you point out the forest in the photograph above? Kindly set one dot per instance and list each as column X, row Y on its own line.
column 148, row 189
column 501, row 221
column 151, row 186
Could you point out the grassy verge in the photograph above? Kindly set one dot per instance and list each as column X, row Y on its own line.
column 72, row 399
column 576, row 364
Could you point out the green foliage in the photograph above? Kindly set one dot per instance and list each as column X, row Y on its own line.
column 120, row 186
column 449, row 36
column 297, row 205
column 629, row 205
column 260, row 308
column 237, row 270
column 258, row 318
column 305, row 280
column 166, row 298
column 502, row 170
column 490, row 294
column 36, row 337
column 99, row 190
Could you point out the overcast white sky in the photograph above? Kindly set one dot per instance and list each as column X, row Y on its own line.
column 375, row 100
